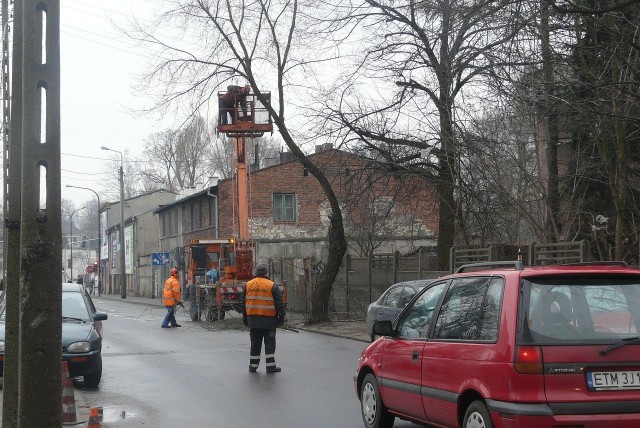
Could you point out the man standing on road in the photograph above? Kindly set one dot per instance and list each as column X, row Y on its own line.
column 263, row 311
column 171, row 299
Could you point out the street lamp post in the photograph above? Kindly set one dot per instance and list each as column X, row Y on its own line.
column 99, row 237
column 123, row 282
column 71, row 239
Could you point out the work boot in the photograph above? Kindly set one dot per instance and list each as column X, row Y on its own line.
column 176, row 325
column 165, row 326
column 274, row 369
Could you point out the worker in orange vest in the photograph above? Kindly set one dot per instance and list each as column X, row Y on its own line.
column 171, row 299
column 263, row 311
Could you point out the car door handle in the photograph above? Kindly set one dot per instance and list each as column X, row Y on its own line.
column 414, row 355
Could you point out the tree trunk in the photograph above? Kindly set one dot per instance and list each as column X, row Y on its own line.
column 551, row 146
column 336, row 238
column 324, row 285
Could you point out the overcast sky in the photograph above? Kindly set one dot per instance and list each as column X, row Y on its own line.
column 99, row 69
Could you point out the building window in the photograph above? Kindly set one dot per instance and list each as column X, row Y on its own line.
column 284, row 207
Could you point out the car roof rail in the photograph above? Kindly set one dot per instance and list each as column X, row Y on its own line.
column 599, row 263
column 516, row 264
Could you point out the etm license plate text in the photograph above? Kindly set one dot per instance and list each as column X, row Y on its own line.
column 613, row 380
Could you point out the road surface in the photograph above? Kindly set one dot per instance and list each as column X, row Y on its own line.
column 198, row 377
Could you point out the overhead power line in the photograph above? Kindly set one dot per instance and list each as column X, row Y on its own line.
column 85, row 173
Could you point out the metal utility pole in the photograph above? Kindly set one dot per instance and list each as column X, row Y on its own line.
column 123, row 271
column 40, row 356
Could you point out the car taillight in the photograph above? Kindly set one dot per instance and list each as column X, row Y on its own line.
column 528, row 360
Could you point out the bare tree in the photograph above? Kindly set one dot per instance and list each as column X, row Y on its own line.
column 607, row 97
column 583, row 86
column 372, row 214
column 432, row 52
column 131, row 169
column 176, row 159
column 221, row 157
column 67, row 207
column 192, row 152
column 161, row 153
column 88, row 222
column 501, row 196
column 256, row 42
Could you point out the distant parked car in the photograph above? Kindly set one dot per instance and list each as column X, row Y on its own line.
column 81, row 334
column 392, row 301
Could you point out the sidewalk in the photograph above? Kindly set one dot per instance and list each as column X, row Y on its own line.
column 354, row 330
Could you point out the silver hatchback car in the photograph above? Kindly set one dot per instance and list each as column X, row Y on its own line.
column 392, row 301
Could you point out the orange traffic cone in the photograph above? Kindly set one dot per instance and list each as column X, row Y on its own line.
column 68, row 400
column 94, row 418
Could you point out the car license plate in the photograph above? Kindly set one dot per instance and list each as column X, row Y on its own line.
column 613, row 380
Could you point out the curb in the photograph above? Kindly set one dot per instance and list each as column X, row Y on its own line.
column 328, row 333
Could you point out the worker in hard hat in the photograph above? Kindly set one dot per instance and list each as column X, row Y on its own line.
column 263, row 311
column 171, row 299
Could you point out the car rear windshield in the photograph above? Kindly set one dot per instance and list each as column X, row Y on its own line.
column 579, row 310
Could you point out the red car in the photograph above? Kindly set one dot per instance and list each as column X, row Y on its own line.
column 503, row 345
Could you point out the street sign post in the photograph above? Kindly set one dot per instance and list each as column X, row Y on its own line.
column 159, row 259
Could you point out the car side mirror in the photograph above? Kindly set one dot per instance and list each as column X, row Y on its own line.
column 383, row 328
column 100, row 316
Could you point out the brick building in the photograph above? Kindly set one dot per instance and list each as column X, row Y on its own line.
column 288, row 212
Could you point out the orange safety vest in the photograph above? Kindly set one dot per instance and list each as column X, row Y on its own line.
column 171, row 291
column 259, row 298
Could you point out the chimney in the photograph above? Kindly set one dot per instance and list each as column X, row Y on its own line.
column 323, row 147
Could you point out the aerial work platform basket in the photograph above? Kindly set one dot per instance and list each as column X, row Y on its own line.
column 244, row 115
